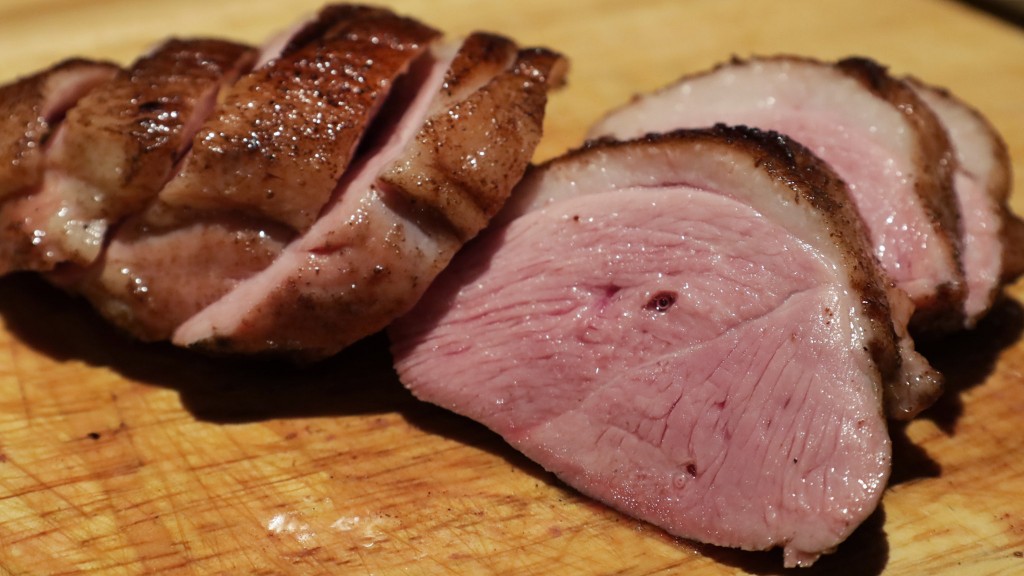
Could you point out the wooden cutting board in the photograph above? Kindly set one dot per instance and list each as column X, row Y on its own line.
column 123, row 458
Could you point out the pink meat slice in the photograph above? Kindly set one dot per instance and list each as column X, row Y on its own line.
column 33, row 107
column 260, row 167
column 875, row 132
column 690, row 328
column 115, row 150
column 434, row 178
column 982, row 183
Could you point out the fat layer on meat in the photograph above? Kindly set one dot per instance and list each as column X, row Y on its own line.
column 690, row 328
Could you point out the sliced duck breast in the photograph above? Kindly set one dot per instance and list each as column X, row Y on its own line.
column 33, row 107
column 689, row 327
column 435, row 177
column 115, row 150
column 875, row 132
column 982, row 183
column 285, row 134
column 260, row 168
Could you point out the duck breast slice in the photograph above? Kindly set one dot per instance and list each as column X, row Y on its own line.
column 690, row 328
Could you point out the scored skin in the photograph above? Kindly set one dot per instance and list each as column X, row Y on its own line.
column 287, row 131
column 775, row 182
column 982, row 182
column 939, row 295
column 33, row 106
column 130, row 286
column 121, row 141
column 372, row 256
column 115, row 150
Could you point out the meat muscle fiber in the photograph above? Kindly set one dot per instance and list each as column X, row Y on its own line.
column 688, row 327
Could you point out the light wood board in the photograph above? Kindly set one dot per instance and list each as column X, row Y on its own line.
column 123, row 458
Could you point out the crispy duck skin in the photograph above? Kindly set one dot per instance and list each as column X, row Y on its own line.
column 269, row 156
column 287, row 131
column 33, row 106
column 400, row 216
column 114, row 150
column 121, row 142
column 690, row 327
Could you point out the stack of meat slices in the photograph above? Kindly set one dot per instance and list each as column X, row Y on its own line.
column 291, row 199
column 940, row 237
column 708, row 328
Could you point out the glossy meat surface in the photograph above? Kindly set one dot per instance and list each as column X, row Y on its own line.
column 286, row 132
column 115, row 150
column 269, row 156
column 690, row 328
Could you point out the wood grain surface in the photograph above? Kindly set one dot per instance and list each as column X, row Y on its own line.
column 123, row 458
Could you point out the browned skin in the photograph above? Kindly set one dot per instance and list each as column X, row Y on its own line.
column 197, row 225
column 934, row 186
column 286, row 132
column 123, row 139
column 236, row 204
column 464, row 176
column 367, row 272
column 32, row 107
column 114, row 151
